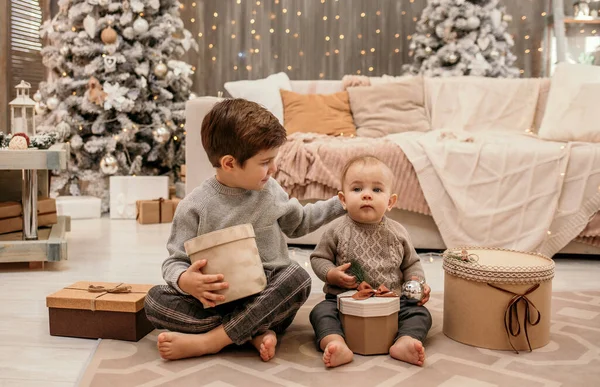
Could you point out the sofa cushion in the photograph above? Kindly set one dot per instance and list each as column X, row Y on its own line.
column 570, row 112
column 481, row 104
column 388, row 108
column 262, row 91
column 317, row 113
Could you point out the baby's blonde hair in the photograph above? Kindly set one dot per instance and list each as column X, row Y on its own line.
column 365, row 160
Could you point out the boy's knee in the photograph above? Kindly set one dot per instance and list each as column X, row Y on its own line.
column 298, row 278
column 154, row 297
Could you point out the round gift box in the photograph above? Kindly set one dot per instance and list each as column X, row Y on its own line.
column 231, row 251
column 490, row 292
column 370, row 325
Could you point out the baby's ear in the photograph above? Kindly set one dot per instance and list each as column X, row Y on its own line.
column 342, row 199
column 392, row 201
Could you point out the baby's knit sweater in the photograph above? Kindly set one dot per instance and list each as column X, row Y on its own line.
column 383, row 250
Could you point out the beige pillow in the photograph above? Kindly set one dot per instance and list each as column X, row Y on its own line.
column 571, row 109
column 317, row 113
column 388, row 108
column 475, row 104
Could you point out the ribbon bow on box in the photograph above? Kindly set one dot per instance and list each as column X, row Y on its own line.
column 511, row 314
column 365, row 291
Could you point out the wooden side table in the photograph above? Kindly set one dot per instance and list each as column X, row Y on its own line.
column 28, row 245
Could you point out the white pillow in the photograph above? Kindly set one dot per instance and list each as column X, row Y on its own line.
column 571, row 109
column 263, row 91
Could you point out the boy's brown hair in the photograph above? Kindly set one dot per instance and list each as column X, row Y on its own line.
column 365, row 160
column 239, row 128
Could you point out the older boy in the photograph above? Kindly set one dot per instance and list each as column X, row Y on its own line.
column 241, row 140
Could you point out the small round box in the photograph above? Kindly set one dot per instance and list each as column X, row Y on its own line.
column 488, row 294
column 370, row 325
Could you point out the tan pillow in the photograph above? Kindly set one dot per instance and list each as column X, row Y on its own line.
column 317, row 113
column 388, row 108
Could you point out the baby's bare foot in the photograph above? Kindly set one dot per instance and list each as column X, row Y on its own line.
column 408, row 349
column 337, row 353
column 173, row 346
column 265, row 344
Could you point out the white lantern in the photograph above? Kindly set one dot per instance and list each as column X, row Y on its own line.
column 22, row 111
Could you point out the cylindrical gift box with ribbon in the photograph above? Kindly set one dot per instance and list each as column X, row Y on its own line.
column 232, row 252
column 496, row 298
column 369, row 318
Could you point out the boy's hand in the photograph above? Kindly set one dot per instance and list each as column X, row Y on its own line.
column 337, row 277
column 202, row 286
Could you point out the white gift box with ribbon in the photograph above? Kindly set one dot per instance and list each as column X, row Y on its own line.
column 126, row 190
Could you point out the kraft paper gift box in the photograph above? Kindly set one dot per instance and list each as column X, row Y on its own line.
column 485, row 287
column 232, row 252
column 102, row 313
column 183, row 172
column 125, row 191
column 155, row 211
column 11, row 219
column 370, row 325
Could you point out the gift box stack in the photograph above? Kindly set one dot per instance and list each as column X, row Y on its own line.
column 371, row 324
column 99, row 310
column 11, row 215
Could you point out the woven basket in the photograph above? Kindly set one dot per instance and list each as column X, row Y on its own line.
column 478, row 289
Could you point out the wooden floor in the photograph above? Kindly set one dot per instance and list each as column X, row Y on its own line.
column 123, row 251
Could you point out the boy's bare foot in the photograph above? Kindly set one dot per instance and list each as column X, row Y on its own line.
column 265, row 345
column 408, row 349
column 173, row 345
column 337, row 353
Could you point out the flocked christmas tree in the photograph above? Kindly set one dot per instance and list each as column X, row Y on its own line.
column 116, row 90
column 463, row 37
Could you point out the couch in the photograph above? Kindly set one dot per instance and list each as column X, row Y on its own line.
column 422, row 228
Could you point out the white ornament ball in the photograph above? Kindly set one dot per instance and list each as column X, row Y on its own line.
column 64, row 50
column 40, row 108
column 161, row 135
column 109, row 164
column 52, row 103
column 140, row 25
column 37, row 97
column 160, row 70
column 17, row 143
column 473, row 22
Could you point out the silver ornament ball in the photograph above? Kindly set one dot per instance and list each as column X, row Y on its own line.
column 140, row 25
column 160, row 70
column 161, row 135
column 52, row 103
column 37, row 97
column 413, row 291
column 109, row 164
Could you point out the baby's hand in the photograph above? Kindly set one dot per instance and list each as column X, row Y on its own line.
column 426, row 292
column 202, row 286
column 337, row 277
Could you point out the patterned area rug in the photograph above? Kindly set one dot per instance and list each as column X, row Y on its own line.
column 571, row 359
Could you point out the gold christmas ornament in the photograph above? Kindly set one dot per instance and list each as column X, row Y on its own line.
column 160, row 70
column 109, row 35
column 109, row 164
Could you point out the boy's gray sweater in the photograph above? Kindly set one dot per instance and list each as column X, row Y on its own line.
column 213, row 206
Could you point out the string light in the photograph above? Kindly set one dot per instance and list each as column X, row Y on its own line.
column 193, row 4
column 544, row 14
column 397, row 36
column 192, row 20
column 299, row 13
column 337, row 17
column 214, row 28
column 214, row 58
column 359, row 36
column 337, row 51
column 373, row 49
column 248, row 67
column 215, row 14
column 284, row 10
column 296, row 35
column 358, row 72
column 362, row 52
column 526, row 37
column 287, row 31
column 377, row 31
column 327, row 38
column 199, row 34
column 301, row 53
column 363, row 14
column 232, row 36
column 523, row 17
column 252, row 21
column 378, row 13
column 235, row 67
column 210, row 45
column 341, row 36
column 370, row 68
column 321, row 75
column 289, row 67
column 324, row 17
column 271, row 30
